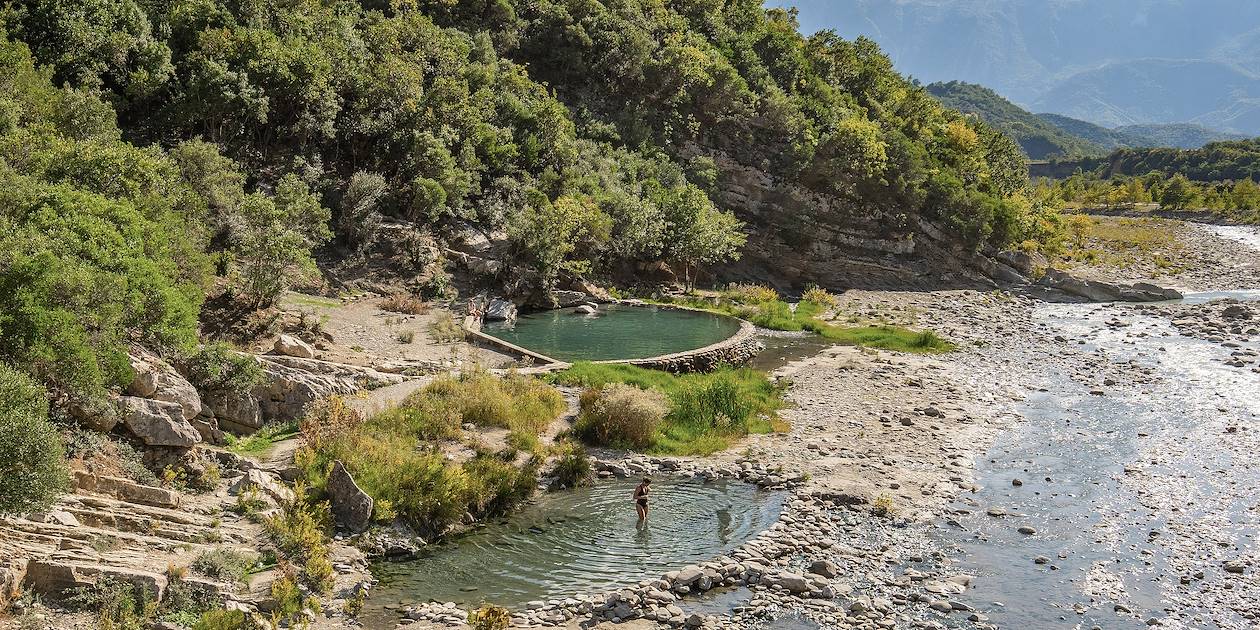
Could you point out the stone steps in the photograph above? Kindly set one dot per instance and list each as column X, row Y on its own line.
column 118, row 528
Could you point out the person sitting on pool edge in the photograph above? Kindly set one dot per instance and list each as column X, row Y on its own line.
column 641, row 498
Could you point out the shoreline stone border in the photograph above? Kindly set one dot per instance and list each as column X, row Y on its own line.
column 737, row 350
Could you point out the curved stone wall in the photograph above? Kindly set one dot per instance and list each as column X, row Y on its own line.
column 737, row 350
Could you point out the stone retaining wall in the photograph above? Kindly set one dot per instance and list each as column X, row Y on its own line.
column 738, row 349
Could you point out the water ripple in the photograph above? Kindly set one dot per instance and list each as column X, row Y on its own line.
column 583, row 540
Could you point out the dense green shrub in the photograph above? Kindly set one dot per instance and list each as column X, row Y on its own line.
column 300, row 532
column 32, row 463
column 219, row 368
column 274, row 240
column 221, row 620
column 223, row 563
column 118, row 604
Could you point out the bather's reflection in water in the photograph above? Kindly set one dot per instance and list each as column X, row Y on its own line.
column 643, row 535
column 724, row 524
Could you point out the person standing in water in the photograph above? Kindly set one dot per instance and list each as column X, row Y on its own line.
column 641, row 498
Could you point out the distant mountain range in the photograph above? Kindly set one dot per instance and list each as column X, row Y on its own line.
column 1049, row 136
column 1108, row 62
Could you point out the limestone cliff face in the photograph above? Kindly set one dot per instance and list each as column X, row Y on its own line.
column 799, row 236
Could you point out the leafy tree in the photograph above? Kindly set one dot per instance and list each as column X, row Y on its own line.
column 560, row 236
column 360, row 217
column 32, row 462
column 96, row 43
column 94, row 251
column 1178, row 193
column 274, row 242
column 700, row 234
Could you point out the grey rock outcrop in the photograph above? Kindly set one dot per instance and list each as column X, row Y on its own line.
column 235, row 412
column 1236, row 311
column 292, row 383
column 157, row 380
column 268, row 485
column 565, row 299
column 351, row 506
column 95, row 415
column 125, row 489
column 500, row 310
column 1024, row 262
column 158, row 423
column 793, row 582
column 291, row 346
column 59, row 576
column 1098, row 291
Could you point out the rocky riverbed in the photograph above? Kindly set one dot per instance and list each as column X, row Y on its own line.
column 894, row 524
column 1071, row 465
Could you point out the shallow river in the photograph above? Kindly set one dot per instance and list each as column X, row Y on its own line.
column 1139, row 489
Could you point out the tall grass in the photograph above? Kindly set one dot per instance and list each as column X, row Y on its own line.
column 263, row 439
column 762, row 306
column 395, row 456
column 706, row 412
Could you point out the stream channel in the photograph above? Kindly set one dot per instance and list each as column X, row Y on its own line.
column 1139, row 489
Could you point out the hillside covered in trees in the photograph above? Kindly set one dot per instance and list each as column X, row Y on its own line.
column 1215, row 162
column 1039, row 138
column 1052, row 136
column 154, row 153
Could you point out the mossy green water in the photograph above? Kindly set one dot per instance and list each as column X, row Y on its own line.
column 614, row 332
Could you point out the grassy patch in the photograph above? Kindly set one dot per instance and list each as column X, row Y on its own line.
column 303, row 299
column 225, row 564
column 762, row 306
column 262, row 440
column 395, row 457
column 706, row 412
column 446, row 329
column 1125, row 243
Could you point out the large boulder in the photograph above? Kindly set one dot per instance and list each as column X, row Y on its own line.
column 94, row 414
column 351, row 506
column 1098, row 291
column 1147, row 292
column 500, row 310
column 1236, row 311
column 157, row 422
column 125, row 489
column 793, row 582
column 56, row 577
column 291, row 346
column 565, row 299
column 268, row 485
column 234, row 412
column 1024, row 262
column 157, row 380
